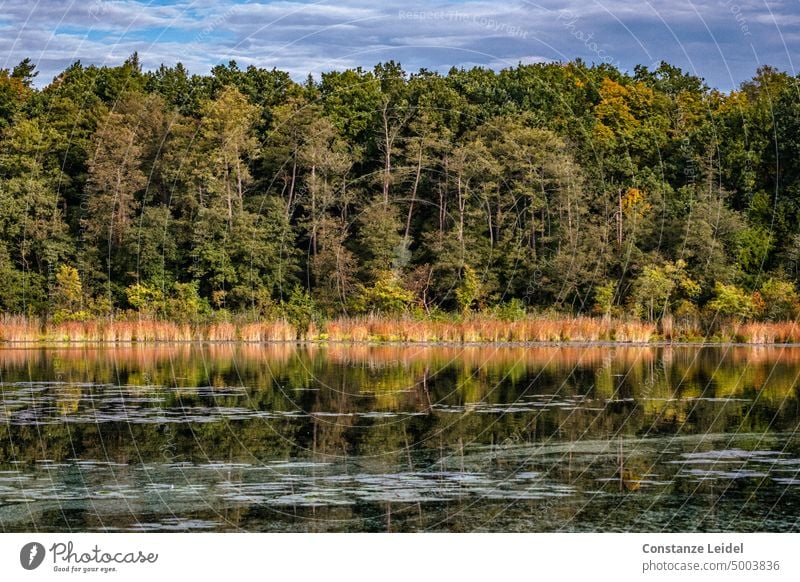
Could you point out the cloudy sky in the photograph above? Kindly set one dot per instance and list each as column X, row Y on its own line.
column 723, row 41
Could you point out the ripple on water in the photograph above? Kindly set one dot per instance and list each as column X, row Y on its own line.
column 712, row 474
column 405, row 487
column 174, row 524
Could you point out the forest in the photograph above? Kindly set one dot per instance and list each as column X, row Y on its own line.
column 560, row 190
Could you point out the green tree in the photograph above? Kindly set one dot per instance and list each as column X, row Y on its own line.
column 386, row 296
column 469, row 290
column 146, row 299
column 779, row 300
column 67, row 294
column 300, row 310
column 604, row 298
column 731, row 302
column 380, row 239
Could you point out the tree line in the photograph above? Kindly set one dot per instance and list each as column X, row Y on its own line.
column 567, row 187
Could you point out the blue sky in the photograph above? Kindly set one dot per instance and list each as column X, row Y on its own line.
column 723, row 41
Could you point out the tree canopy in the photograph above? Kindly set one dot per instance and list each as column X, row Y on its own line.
column 547, row 186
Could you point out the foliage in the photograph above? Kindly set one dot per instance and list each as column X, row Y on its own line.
column 147, row 299
column 386, row 296
column 604, row 298
column 657, row 288
column 68, row 292
column 731, row 301
column 512, row 310
column 300, row 310
column 554, row 186
column 778, row 300
column 185, row 303
column 469, row 290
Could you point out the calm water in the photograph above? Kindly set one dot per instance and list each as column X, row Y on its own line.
column 312, row 438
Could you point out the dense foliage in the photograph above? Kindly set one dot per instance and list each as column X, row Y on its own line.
column 570, row 187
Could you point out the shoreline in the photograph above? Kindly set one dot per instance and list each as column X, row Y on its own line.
column 407, row 344
column 476, row 329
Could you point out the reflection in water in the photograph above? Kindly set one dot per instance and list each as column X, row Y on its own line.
column 288, row 437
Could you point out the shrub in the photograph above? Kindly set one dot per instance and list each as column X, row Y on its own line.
column 185, row 304
column 513, row 310
column 604, row 298
column 146, row 299
column 731, row 301
column 386, row 295
column 300, row 310
column 68, row 293
column 469, row 289
column 779, row 300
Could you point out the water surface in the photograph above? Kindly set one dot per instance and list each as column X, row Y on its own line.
column 388, row 438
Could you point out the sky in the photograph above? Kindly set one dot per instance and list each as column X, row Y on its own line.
column 722, row 41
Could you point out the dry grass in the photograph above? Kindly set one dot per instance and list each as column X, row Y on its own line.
column 475, row 329
column 118, row 332
column 781, row 332
column 16, row 328
column 267, row 331
column 21, row 329
column 491, row 330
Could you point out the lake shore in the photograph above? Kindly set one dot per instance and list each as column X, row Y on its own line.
column 473, row 330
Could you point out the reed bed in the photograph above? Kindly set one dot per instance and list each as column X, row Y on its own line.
column 118, row 332
column 474, row 329
column 16, row 328
column 267, row 331
column 489, row 330
column 779, row 332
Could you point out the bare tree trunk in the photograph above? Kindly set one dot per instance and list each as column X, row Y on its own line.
column 619, row 219
column 239, row 187
column 443, row 197
column 387, row 143
column 228, row 195
column 314, row 210
column 489, row 218
column 413, row 195
column 292, row 181
column 498, row 219
column 461, row 206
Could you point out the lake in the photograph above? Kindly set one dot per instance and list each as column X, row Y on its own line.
column 306, row 437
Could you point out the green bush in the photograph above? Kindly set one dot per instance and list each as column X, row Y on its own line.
column 146, row 299
column 300, row 310
column 386, row 296
column 469, row 289
column 604, row 298
column 185, row 303
column 513, row 310
column 731, row 301
column 779, row 300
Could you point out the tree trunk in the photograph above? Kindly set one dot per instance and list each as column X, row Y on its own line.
column 291, row 186
column 413, row 195
column 443, row 197
column 313, row 211
column 461, row 198
column 239, row 188
column 387, row 143
column 619, row 219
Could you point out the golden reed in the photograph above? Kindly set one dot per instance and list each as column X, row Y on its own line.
column 21, row 329
column 489, row 330
column 476, row 329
